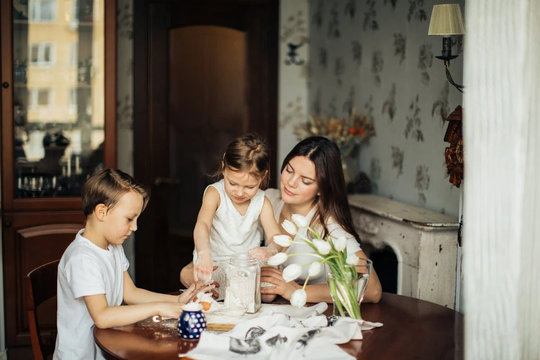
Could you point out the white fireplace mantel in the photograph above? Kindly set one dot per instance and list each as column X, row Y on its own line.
column 425, row 244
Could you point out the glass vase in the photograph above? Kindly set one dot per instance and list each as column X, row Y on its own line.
column 347, row 289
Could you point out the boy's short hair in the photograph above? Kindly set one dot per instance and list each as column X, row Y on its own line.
column 107, row 186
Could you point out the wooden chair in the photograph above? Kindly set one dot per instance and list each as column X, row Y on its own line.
column 40, row 286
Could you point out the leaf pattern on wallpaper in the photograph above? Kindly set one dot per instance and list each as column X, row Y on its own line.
column 332, row 107
column 416, row 11
column 397, row 159
column 422, row 182
column 440, row 106
column 333, row 24
column 357, row 52
column 316, row 105
column 457, row 41
column 369, row 107
column 370, row 16
column 294, row 30
column 317, row 18
column 375, row 172
column 323, row 58
column 294, row 110
column 306, row 71
column 124, row 17
column 392, row 2
column 390, row 103
column 377, row 66
column 124, row 111
column 350, row 9
column 414, row 122
column 348, row 105
column 339, row 69
column 425, row 61
column 400, row 44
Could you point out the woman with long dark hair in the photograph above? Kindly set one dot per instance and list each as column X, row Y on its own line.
column 313, row 186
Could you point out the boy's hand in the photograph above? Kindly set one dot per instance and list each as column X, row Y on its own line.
column 203, row 267
column 262, row 253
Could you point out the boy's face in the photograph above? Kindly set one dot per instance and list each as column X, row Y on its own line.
column 121, row 220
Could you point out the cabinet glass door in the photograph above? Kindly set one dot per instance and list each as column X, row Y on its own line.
column 58, row 95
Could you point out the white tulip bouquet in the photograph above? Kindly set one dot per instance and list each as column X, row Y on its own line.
column 344, row 283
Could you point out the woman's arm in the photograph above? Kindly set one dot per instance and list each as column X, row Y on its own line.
column 374, row 290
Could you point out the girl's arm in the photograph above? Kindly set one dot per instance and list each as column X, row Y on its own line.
column 201, row 234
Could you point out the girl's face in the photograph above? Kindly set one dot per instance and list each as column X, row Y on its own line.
column 298, row 182
column 240, row 186
column 121, row 220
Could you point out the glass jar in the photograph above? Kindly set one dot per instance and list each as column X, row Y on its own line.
column 243, row 284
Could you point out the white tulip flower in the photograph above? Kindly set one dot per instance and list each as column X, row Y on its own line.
column 352, row 259
column 277, row 259
column 289, row 227
column 315, row 268
column 340, row 243
column 300, row 221
column 283, row 240
column 323, row 247
column 298, row 298
column 292, row 272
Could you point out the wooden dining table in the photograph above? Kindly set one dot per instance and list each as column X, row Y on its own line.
column 412, row 329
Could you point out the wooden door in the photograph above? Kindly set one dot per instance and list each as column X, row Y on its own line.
column 205, row 73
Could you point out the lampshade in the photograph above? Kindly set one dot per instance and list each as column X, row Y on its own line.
column 446, row 20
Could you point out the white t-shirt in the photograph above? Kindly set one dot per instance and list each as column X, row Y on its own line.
column 334, row 230
column 85, row 269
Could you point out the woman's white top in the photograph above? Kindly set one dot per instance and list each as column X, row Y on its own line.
column 299, row 247
column 232, row 233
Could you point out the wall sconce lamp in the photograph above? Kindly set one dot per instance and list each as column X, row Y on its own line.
column 446, row 20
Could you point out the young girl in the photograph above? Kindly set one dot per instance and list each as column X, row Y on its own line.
column 228, row 221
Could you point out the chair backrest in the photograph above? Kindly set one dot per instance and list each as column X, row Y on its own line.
column 40, row 286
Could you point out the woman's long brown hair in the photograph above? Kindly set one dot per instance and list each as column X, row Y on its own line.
column 332, row 200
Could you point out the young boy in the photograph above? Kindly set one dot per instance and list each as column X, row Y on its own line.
column 92, row 275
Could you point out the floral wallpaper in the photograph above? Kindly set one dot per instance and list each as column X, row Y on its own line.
column 376, row 57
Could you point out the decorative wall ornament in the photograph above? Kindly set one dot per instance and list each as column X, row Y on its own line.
column 357, row 53
column 425, row 61
column 440, row 106
column 293, row 110
column 292, row 54
column 414, row 122
column 370, row 16
column 377, row 66
column 368, row 106
column 454, row 153
column 400, row 44
column 416, row 11
column 390, row 103
column 392, row 2
column 397, row 160
column 333, row 24
column 294, row 29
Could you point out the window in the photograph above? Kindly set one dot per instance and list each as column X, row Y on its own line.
column 39, row 98
column 41, row 53
column 42, row 10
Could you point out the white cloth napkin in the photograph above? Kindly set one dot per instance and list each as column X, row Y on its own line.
column 284, row 332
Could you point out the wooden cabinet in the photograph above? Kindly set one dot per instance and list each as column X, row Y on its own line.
column 58, row 109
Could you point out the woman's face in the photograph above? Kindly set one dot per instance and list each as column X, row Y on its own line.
column 298, row 182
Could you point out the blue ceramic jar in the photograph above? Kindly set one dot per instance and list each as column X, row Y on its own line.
column 191, row 322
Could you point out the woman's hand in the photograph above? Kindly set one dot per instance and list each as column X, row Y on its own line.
column 282, row 288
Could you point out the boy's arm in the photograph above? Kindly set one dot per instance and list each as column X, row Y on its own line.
column 201, row 235
column 271, row 229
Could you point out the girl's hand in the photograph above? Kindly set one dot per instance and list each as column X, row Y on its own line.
column 193, row 290
column 169, row 309
column 262, row 253
column 275, row 276
column 203, row 267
